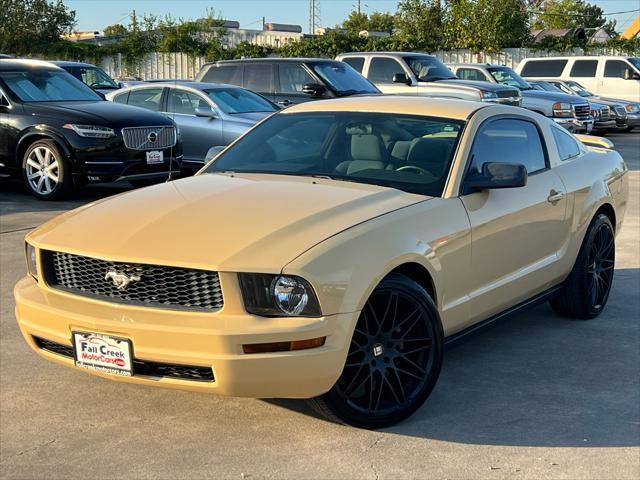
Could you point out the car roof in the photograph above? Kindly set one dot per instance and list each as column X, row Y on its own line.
column 485, row 65
column 23, row 65
column 274, row 59
column 396, row 54
column 407, row 105
column 65, row 63
column 180, row 83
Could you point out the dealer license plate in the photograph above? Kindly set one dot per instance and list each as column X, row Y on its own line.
column 155, row 156
column 104, row 353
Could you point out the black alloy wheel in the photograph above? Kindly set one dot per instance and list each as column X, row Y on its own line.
column 394, row 359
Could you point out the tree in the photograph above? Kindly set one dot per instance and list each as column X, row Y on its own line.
column 381, row 22
column 117, row 30
column 572, row 14
column 25, row 24
column 377, row 22
column 356, row 22
column 418, row 24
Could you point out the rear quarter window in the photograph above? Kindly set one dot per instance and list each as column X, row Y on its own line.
column 230, row 74
column 543, row 68
column 121, row 98
column 567, row 145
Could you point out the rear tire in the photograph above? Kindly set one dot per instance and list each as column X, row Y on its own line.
column 45, row 171
column 394, row 359
column 586, row 290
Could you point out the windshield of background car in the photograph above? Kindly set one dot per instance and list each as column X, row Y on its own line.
column 237, row 100
column 343, row 79
column 406, row 152
column 635, row 61
column 427, row 69
column 506, row 76
column 93, row 77
column 579, row 89
column 47, row 86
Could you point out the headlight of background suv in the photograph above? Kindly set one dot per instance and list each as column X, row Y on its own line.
column 90, row 131
column 488, row 96
column 632, row 108
column 278, row 295
column 32, row 264
column 563, row 110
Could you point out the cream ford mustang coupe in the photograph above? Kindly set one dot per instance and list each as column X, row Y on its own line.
column 328, row 253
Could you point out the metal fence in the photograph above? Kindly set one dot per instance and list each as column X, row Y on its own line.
column 180, row 66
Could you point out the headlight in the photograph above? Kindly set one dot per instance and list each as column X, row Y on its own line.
column 632, row 108
column 90, row 131
column 32, row 264
column 595, row 113
column 563, row 110
column 278, row 295
column 488, row 95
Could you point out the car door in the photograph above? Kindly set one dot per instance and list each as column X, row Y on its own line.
column 381, row 71
column 584, row 72
column 291, row 78
column 617, row 80
column 5, row 108
column 199, row 134
column 517, row 233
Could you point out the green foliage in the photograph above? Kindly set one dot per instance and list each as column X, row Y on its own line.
column 572, row 14
column 377, row 22
column 419, row 24
column 117, row 30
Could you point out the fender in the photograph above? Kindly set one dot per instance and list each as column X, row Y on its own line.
column 34, row 132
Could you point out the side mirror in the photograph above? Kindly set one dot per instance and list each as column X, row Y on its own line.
column 630, row 74
column 498, row 175
column 213, row 152
column 121, row 85
column 313, row 89
column 206, row 112
column 401, row 78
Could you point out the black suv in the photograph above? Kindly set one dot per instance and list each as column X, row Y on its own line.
column 58, row 133
column 287, row 81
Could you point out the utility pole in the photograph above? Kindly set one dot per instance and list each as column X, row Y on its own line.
column 314, row 16
column 358, row 7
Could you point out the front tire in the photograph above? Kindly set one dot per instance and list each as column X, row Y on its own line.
column 45, row 171
column 586, row 290
column 394, row 359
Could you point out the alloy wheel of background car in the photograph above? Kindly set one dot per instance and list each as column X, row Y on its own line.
column 586, row 291
column 394, row 358
column 44, row 171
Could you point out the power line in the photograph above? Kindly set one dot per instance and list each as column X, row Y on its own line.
column 550, row 14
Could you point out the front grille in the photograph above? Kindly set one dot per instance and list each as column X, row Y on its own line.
column 583, row 111
column 150, row 285
column 605, row 113
column 140, row 138
column 141, row 367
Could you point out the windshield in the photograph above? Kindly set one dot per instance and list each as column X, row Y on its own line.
column 237, row 100
column 93, row 77
column 546, row 86
column 635, row 61
column 47, row 86
column 579, row 89
column 428, row 69
column 343, row 79
column 507, row 76
column 410, row 153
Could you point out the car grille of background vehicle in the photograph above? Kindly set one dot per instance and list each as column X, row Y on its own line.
column 150, row 285
column 140, row 138
column 583, row 111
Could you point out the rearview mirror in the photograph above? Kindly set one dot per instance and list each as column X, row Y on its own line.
column 213, row 153
column 498, row 175
column 313, row 89
column 401, row 78
column 205, row 112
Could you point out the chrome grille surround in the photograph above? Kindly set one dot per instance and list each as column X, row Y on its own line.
column 583, row 111
column 605, row 113
column 138, row 138
column 152, row 285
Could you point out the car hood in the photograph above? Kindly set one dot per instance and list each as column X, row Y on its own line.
column 250, row 117
column 554, row 97
column 486, row 86
column 224, row 222
column 99, row 112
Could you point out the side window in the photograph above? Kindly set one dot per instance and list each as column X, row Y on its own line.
column 498, row 137
column 471, row 74
column 230, row 74
column 184, row 103
column 356, row 62
column 543, row 68
column 149, row 98
column 567, row 145
column 258, row 77
column 121, row 98
column 615, row 68
column 584, row 68
column 382, row 70
column 293, row 77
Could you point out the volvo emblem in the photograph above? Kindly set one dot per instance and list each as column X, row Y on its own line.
column 152, row 137
column 119, row 279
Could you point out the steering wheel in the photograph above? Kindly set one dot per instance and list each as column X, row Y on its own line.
column 415, row 168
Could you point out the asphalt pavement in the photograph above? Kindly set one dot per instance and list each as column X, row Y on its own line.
column 533, row 396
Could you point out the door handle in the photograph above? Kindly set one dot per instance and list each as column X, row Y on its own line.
column 284, row 102
column 555, row 196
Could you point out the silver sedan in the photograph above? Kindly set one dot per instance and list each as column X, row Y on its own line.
column 207, row 114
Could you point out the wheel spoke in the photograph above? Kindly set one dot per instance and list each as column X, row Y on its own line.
column 52, row 176
column 47, row 157
column 32, row 163
column 407, row 372
column 400, row 386
column 38, row 152
column 40, row 184
column 33, row 175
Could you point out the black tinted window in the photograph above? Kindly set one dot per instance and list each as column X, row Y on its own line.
column 149, row 98
column 293, row 77
column 383, row 69
column 231, row 74
column 615, row 68
column 259, row 78
column 567, row 145
column 121, row 98
column 498, row 138
column 543, row 68
column 357, row 63
column 584, row 68
column 471, row 74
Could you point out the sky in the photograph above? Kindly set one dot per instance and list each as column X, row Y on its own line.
column 94, row 15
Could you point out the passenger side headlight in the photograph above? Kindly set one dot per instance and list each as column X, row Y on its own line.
column 32, row 264
column 90, row 131
column 563, row 110
column 278, row 295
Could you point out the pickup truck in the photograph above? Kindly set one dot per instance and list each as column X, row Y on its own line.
column 399, row 73
column 573, row 113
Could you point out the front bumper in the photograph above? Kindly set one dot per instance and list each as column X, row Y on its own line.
column 605, row 125
column 633, row 119
column 211, row 340
column 571, row 124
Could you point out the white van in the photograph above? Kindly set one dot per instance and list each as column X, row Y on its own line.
column 608, row 76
